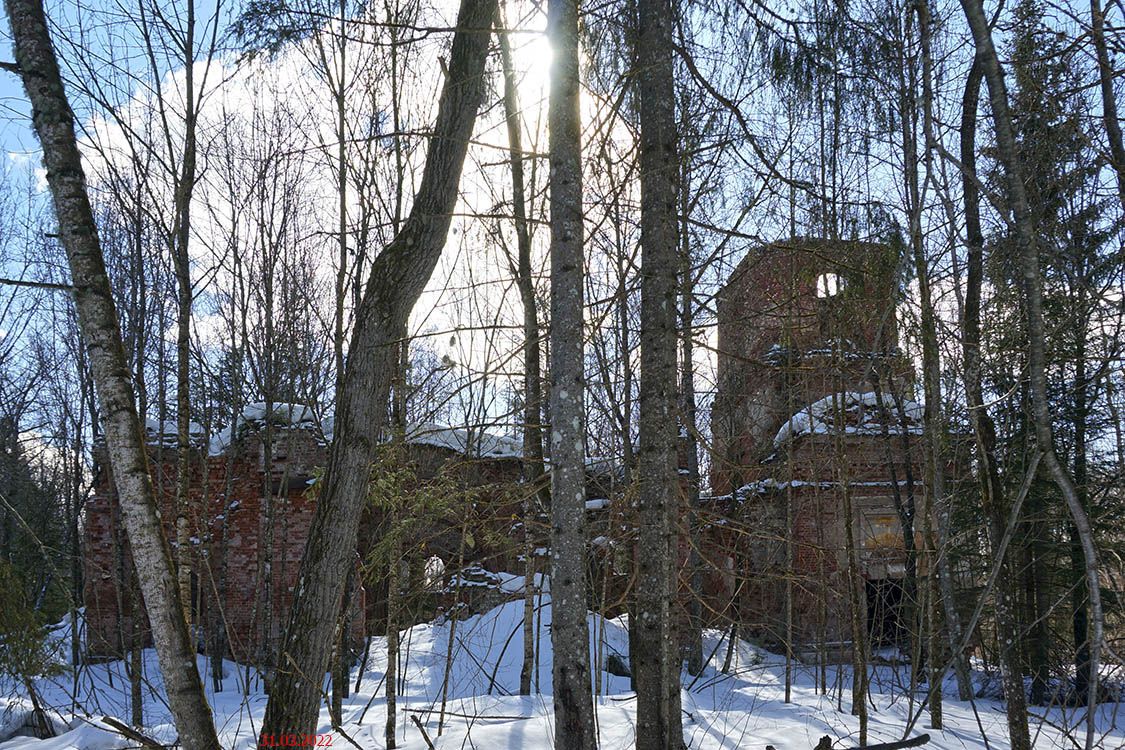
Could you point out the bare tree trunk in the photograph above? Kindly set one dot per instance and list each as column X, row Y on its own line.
column 938, row 500
column 1036, row 636
column 853, row 576
column 397, row 278
column 693, row 638
column 570, row 638
column 934, row 660
column 533, row 475
column 74, row 508
column 1080, row 619
column 1011, row 670
column 185, row 185
column 218, row 629
column 127, row 577
column 394, row 597
column 907, row 506
column 341, row 665
column 657, row 657
column 1028, row 247
column 136, row 644
column 339, row 94
column 451, row 640
column 54, row 125
column 1106, row 75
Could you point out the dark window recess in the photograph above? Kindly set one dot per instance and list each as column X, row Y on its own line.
column 885, row 603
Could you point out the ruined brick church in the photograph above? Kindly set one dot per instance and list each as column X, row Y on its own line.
column 812, row 414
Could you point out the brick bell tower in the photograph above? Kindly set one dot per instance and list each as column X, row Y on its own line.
column 813, row 415
column 797, row 321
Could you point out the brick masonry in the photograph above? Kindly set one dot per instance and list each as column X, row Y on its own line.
column 784, row 342
column 231, row 499
column 797, row 322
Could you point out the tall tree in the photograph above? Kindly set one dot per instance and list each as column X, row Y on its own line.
column 1106, row 76
column 656, row 658
column 1027, row 244
column 935, row 426
column 574, row 711
column 54, row 125
column 533, row 478
column 182, row 195
column 984, row 430
column 397, row 278
column 1049, row 111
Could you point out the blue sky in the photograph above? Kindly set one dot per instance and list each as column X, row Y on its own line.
column 15, row 114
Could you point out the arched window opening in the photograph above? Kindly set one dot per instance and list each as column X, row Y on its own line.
column 433, row 573
column 828, row 285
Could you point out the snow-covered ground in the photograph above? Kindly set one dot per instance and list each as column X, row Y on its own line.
column 744, row 709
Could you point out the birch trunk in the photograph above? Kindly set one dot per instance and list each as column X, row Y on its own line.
column 939, row 500
column 97, row 316
column 533, row 476
column 185, row 186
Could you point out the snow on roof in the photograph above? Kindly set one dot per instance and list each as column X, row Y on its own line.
column 770, row 484
column 256, row 414
column 475, row 442
column 602, row 464
column 843, row 348
column 166, row 434
column 284, row 414
column 862, row 415
column 468, row 442
column 300, row 416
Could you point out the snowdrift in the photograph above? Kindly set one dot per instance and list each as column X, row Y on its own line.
column 743, row 708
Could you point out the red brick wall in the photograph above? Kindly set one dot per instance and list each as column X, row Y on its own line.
column 228, row 518
column 778, row 353
column 748, row 532
column 770, row 309
column 228, row 523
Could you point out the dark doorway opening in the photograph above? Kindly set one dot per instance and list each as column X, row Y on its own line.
column 885, row 625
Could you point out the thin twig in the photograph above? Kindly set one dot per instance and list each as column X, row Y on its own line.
column 34, row 284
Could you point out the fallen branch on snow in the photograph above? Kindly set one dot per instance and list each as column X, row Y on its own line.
column 826, row 744
column 422, row 729
column 133, row 734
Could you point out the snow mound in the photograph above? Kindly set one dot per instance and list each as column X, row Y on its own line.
column 79, row 735
column 18, row 721
column 465, row 673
